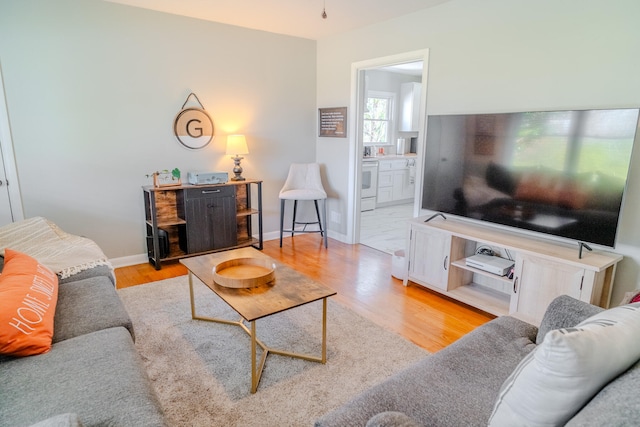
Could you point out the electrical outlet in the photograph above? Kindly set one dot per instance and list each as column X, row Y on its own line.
column 335, row 217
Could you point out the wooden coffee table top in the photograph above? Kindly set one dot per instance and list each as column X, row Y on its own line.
column 290, row 289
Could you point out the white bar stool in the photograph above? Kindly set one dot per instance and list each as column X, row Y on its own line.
column 304, row 183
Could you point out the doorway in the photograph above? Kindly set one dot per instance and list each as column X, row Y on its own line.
column 390, row 98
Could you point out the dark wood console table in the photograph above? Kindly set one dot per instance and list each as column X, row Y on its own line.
column 189, row 220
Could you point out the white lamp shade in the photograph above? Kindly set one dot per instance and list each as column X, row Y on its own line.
column 236, row 144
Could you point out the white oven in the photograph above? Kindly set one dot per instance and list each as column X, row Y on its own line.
column 369, row 185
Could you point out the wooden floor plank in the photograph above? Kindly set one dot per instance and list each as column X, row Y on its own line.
column 362, row 278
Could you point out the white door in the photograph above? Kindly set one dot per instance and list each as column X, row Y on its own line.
column 10, row 199
column 6, row 216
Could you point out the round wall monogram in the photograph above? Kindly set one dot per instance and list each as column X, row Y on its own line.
column 193, row 127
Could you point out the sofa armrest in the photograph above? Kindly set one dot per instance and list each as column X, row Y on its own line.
column 427, row 391
column 565, row 312
column 99, row 270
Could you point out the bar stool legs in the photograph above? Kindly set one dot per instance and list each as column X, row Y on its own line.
column 292, row 230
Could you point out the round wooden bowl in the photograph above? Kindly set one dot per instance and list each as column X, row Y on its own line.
column 244, row 272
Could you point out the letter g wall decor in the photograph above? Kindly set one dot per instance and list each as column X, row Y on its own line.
column 193, row 127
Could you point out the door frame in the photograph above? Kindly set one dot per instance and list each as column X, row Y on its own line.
column 356, row 144
column 9, row 161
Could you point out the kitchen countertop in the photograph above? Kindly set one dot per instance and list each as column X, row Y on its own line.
column 389, row 157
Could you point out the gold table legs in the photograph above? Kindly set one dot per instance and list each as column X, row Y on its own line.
column 256, row 369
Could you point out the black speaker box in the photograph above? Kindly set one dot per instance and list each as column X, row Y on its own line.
column 163, row 243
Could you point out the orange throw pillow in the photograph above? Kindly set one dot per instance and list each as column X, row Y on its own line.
column 28, row 298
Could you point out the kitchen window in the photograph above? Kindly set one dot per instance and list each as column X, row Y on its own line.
column 378, row 117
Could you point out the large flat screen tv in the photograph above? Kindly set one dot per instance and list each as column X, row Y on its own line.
column 561, row 173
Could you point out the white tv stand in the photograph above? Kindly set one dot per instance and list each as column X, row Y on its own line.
column 543, row 269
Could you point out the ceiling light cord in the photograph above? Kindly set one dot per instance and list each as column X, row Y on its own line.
column 324, row 11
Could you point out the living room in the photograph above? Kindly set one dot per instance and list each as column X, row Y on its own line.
column 92, row 89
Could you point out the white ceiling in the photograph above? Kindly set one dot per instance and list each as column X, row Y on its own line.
column 300, row 18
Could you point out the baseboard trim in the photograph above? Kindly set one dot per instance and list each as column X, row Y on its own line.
column 127, row 261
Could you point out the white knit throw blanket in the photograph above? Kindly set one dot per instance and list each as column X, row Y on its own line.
column 64, row 253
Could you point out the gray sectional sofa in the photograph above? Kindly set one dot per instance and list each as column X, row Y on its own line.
column 92, row 376
column 459, row 385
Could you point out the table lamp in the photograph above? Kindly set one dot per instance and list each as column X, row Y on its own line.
column 236, row 145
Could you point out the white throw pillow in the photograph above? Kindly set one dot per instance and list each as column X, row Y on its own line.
column 553, row 382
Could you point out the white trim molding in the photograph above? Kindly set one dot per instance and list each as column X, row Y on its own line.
column 6, row 145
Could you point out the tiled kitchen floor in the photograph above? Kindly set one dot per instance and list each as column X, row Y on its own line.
column 385, row 229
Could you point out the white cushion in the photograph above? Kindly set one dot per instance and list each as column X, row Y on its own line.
column 569, row 367
column 303, row 183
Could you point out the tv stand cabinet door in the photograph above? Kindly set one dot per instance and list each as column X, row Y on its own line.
column 429, row 257
column 538, row 281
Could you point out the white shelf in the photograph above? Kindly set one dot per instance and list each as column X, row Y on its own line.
column 482, row 297
column 461, row 264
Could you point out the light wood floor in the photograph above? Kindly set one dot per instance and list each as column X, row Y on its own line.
column 361, row 277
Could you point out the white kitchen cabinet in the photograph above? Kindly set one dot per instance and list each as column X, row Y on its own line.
column 408, row 186
column 543, row 269
column 394, row 183
column 394, row 163
column 385, row 195
column 399, row 183
column 409, row 180
column 410, row 106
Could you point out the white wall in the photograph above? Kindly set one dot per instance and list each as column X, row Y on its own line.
column 93, row 88
column 502, row 55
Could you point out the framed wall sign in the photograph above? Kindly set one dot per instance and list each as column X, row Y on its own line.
column 332, row 122
column 193, row 126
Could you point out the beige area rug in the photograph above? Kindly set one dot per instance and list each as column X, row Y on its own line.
column 201, row 370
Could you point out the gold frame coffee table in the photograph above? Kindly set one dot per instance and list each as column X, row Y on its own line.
column 291, row 289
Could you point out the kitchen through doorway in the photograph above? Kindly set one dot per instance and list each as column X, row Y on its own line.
column 392, row 111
